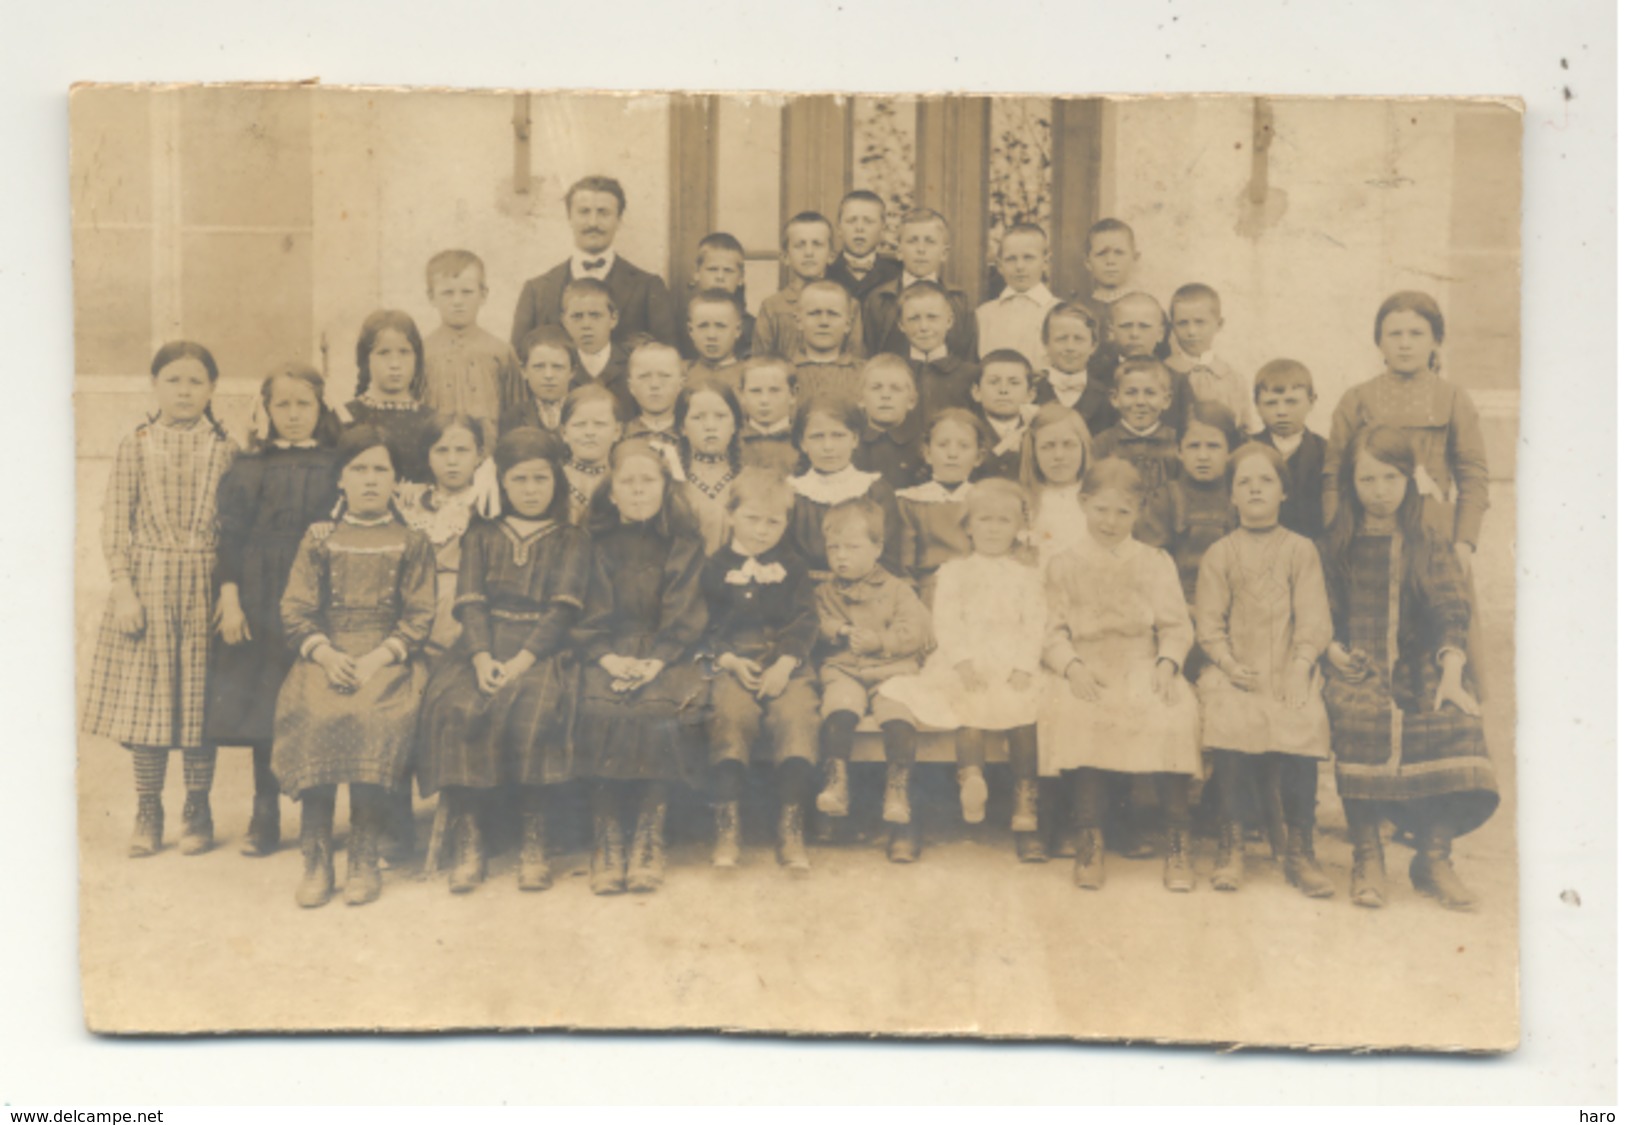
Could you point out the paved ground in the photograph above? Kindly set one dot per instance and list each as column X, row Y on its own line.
column 965, row 942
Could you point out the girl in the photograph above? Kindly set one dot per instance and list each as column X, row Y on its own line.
column 1262, row 620
column 1053, row 460
column 359, row 603
column 441, row 511
column 267, row 500
column 710, row 456
column 642, row 694
column 932, row 515
column 591, row 425
column 1192, row 511
column 159, row 539
column 1405, row 730
column 826, row 431
column 989, row 620
column 1115, row 701
column 390, row 383
column 1436, row 416
column 498, row 705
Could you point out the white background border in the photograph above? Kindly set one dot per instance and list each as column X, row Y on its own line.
column 1567, row 480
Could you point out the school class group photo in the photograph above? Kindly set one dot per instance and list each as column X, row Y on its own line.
column 648, row 543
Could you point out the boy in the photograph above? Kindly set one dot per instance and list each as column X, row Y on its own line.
column 590, row 317
column 873, row 627
column 1285, row 393
column 767, row 395
column 1140, row 398
column 654, row 378
column 943, row 378
column 714, row 328
column 1004, row 395
column 1109, row 256
column 1139, row 329
column 808, row 247
column 1015, row 318
column 861, row 268
column 824, row 364
column 720, row 264
column 890, row 442
column 550, row 373
column 923, row 244
column 468, row 370
column 1196, row 317
column 1071, row 338
column 763, row 623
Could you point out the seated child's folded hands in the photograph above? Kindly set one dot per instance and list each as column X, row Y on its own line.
column 1351, row 664
column 339, row 666
column 488, row 673
column 1244, row 677
column 1085, row 684
column 748, row 672
column 863, row 641
column 776, row 678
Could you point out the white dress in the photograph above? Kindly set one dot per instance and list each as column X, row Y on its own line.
column 1120, row 610
column 1058, row 522
column 989, row 611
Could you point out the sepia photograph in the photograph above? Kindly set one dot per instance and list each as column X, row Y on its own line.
column 976, row 566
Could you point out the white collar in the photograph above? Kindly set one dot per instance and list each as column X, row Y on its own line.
column 934, row 492
column 928, row 357
column 1039, row 295
column 909, row 279
column 281, row 443
column 579, row 260
column 1107, row 296
column 595, row 363
column 1287, row 446
column 1004, row 427
column 782, row 426
column 832, row 488
column 1204, row 360
column 1145, row 433
column 1072, row 384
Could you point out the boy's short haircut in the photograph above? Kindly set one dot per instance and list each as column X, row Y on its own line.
column 1025, row 228
column 825, row 285
column 450, row 263
column 1106, row 226
column 888, row 361
column 767, row 362
column 858, row 510
column 1255, row 449
column 960, row 416
column 1214, row 414
column 648, row 345
column 1196, row 291
column 861, row 195
column 606, row 184
column 712, row 297
column 546, row 336
column 1142, row 365
column 993, row 490
column 1077, row 311
column 1114, row 472
column 921, row 289
column 585, row 394
column 720, row 241
column 762, row 486
column 587, row 287
column 1279, row 375
column 848, row 414
column 917, row 215
column 1007, row 355
column 805, row 218
column 1140, row 295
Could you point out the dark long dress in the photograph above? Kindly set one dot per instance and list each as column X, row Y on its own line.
column 359, row 584
column 1389, row 742
column 643, row 601
column 515, row 591
column 267, row 500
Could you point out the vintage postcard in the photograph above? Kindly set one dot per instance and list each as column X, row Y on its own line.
column 1001, row 566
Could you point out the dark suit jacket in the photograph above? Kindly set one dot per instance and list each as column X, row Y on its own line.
column 885, row 270
column 882, row 333
column 641, row 299
column 1303, row 511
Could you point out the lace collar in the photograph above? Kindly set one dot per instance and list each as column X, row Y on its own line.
column 832, row 488
column 372, row 403
column 935, row 492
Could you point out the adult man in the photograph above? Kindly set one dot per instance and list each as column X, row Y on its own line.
column 595, row 206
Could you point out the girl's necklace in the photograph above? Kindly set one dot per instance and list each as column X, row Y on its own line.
column 720, row 479
column 593, row 472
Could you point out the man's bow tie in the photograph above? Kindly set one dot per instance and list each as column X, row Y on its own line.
column 595, row 264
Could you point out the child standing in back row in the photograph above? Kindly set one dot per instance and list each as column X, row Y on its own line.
column 1196, row 320
column 467, row 370
column 719, row 267
column 267, row 499
column 159, row 538
column 1015, row 318
column 808, row 246
column 923, row 247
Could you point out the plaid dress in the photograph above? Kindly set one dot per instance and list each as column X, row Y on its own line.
column 518, row 589
column 1390, row 744
column 159, row 530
